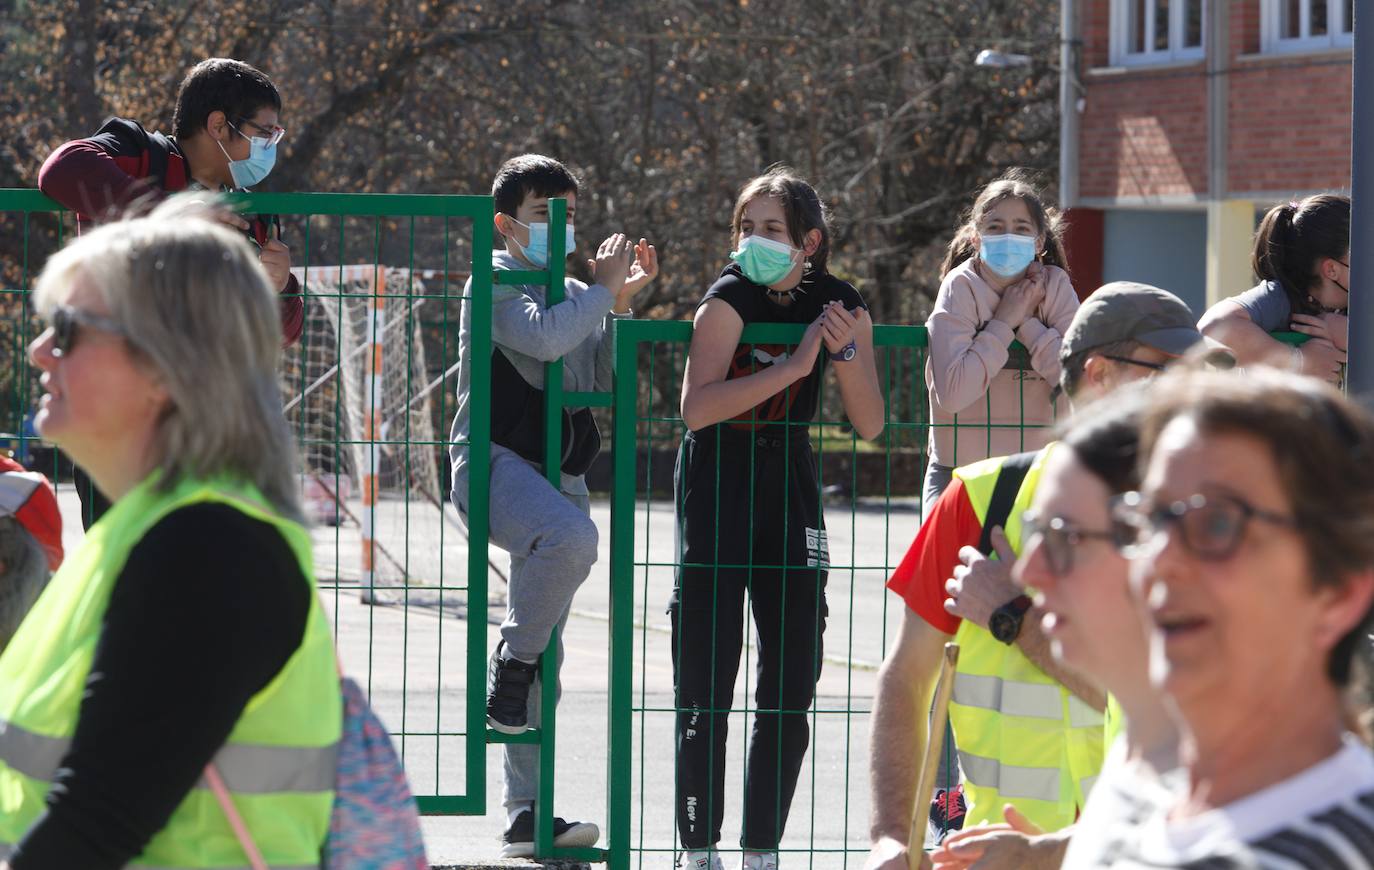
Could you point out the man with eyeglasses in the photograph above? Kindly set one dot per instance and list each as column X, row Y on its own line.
column 226, row 137
column 1029, row 730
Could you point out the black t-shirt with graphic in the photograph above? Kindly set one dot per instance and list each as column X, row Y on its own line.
column 754, row 304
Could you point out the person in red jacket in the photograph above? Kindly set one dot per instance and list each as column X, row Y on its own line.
column 225, row 138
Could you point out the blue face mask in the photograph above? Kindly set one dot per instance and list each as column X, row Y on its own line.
column 538, row 250
column 1007, row 254
column 764, row 261
column 262, row 156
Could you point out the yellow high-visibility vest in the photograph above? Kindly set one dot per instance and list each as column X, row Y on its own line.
column 1023, row 738
column 279, row 762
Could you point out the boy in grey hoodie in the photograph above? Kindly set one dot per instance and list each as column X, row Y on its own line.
column 548, row 532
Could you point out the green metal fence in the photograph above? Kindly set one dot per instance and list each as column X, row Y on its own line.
column 872, row 504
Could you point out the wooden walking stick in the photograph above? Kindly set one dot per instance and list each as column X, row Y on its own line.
column 939, row 717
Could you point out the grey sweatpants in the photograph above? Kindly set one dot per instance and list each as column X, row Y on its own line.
column 552, row 544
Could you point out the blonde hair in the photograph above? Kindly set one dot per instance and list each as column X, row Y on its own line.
column 196, row 307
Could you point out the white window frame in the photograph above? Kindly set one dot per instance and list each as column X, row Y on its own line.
column 1336, row 36
column 1121, row 28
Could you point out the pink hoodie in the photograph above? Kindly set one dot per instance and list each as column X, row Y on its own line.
column 965, row 374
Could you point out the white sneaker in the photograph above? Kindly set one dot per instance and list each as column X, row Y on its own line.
column 759, row 861
column 702, row 860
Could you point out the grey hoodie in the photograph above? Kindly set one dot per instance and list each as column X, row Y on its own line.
column 530, row 333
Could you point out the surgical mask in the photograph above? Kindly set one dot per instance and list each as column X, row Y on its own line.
column 262, row 156
column 764, row 261
column 1007, row 254
column 538, row 250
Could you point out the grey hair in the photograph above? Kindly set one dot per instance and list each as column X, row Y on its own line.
column 23, row 574
column 196, row 307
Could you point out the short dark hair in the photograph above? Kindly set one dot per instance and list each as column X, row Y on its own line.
column 1071, row 367
column 221, row 84
column 530, row 175
column 801, row 207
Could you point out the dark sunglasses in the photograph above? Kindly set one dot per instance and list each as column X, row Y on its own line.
column 1211, row 527
column 1060, row 538
column 1158, row 367
column 67, row 322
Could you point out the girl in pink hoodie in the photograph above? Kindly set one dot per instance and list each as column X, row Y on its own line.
column 1002, row 280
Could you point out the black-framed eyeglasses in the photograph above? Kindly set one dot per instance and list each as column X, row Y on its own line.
column 1211, row 527
column 67, row 322
column 1156, row 367
column 273, row 134
column 1060, row 538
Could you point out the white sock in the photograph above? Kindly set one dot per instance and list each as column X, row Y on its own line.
column 507, row 653
column 515, row 809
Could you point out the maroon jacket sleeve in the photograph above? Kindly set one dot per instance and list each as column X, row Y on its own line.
column 85, row 178
column 292, row 312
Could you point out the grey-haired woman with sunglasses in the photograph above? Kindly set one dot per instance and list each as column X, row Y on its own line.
column 185, row 631
column 1253, row 546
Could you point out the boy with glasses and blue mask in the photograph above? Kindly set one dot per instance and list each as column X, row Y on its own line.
column 547, row 530
column 226, row 137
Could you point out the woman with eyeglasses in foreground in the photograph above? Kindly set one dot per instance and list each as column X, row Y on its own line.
column 185, row 630
column 1254, row 555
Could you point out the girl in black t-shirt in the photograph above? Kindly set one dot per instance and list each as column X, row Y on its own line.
column 749, row 513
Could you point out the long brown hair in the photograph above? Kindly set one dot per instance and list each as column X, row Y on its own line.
column 1015, row 183
column 801, row 207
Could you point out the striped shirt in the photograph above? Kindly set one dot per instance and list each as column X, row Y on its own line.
column 1319, row 819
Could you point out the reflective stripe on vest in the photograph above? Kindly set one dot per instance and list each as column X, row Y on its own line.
column 1010, row 780
column 1088, row 784
column 1036, row 700
column 246, row 769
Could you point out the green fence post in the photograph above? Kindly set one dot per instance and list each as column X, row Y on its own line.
column 479, row 505
column 553, row 470
column 620, row 697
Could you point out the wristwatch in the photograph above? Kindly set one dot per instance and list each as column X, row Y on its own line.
column 1005, row 622
column 846, row 353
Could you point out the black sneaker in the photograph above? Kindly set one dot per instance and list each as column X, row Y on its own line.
column 947, row 812
column 518, row 841
column 508, row 692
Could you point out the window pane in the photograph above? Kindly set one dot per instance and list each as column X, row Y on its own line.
column 1319, row 9
column 1161, row 25
column 1290, row 19
column 1192, row 23
column 1135, row 26
column 1346, row 23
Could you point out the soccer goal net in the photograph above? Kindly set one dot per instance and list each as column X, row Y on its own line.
column 360, row 398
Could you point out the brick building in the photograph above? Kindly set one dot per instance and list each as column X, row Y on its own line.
column 1194, row 117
